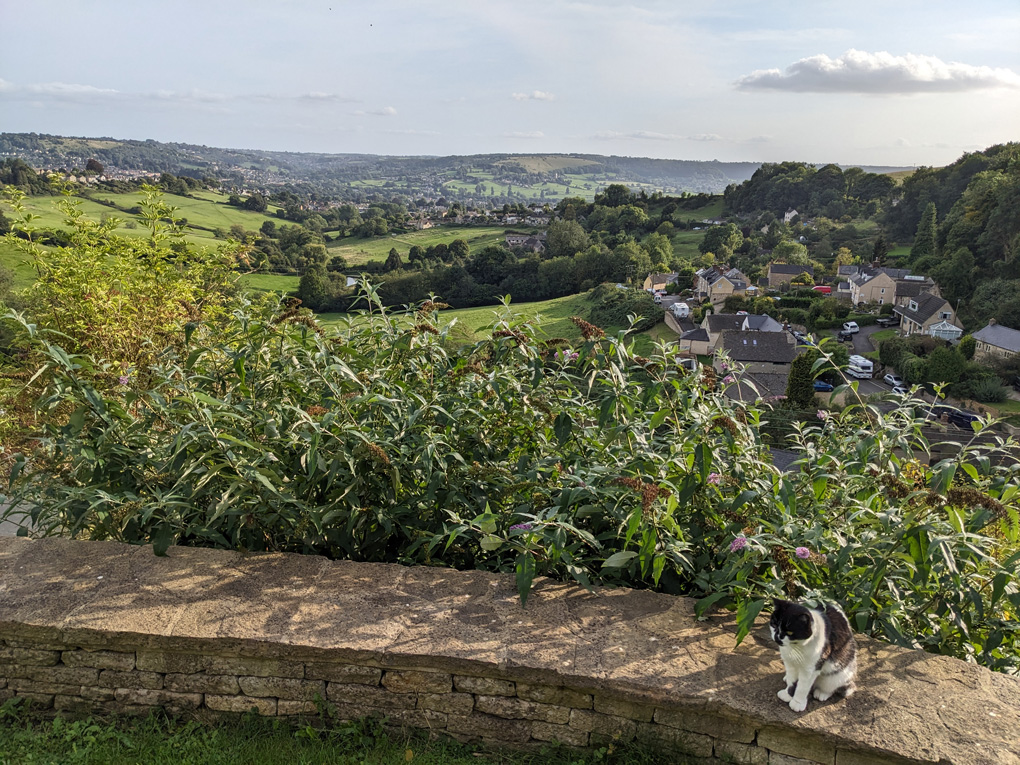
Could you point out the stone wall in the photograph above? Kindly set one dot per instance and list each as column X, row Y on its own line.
column 106, row 628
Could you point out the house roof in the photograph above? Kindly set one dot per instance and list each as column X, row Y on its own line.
column 1000, row 336
column 695, row 335
column 726, row 322
column 663, row 278
column 685, row 325
column 759, row 346
column 790, row 268
column 927, row 306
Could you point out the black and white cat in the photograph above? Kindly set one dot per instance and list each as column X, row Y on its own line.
column 818, row 651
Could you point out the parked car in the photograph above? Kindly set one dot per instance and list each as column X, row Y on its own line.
column 888, row 321
column 851, row 327
column 894, row 380
column 961, row 418
column 902, row 390
column 822, row 387
column 844, row 337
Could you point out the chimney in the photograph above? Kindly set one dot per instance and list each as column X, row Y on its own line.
column 992, row 322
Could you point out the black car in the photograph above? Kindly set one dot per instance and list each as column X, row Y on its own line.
column 961, row 418
column 888, row 321
column 844, row 337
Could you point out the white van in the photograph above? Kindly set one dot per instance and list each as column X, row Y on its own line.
column 860, row 367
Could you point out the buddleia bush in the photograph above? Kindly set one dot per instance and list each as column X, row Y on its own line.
column 381, row 439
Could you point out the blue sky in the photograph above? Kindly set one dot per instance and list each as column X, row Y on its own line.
column 896, row 83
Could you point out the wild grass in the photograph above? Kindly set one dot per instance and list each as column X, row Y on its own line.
column 157, row 740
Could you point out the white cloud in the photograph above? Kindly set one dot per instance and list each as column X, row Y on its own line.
column 529, row 134
column 861, row 72
column 641, row 135
column 535, row 95
column 705, row 137
column 68, row 90
column 385, row 111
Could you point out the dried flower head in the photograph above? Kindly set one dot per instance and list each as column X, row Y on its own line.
column 588, row 331
column 649, row 491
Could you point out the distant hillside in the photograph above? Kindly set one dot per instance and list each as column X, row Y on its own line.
column 493, row 178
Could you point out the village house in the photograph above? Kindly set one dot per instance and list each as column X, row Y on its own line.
column 765, row 357
column 716, row 283
column 656, row 282
column 717, row 325
column 996, row 342
column 784, row 273
column 929, row 314
column 885, row 285
column 790, row 215
column 695, row 341
column 533, row 242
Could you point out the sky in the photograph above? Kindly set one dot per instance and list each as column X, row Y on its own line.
column 866, row 82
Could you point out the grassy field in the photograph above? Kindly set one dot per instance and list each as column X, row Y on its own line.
column 551, row 316
column 208, row 209
column 270, row 282
column 357, row 251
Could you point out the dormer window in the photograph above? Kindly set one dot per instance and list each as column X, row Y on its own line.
column 913, row 305
column 946, row 315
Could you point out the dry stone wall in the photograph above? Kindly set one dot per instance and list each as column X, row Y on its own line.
column 104, row 628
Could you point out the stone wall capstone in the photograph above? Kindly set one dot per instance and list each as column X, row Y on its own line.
column 101, row 627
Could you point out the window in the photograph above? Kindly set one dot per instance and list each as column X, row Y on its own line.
column 945, row 315
column 913, row 305
column 883, row 290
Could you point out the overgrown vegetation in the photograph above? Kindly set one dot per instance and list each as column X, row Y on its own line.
column 380, row 440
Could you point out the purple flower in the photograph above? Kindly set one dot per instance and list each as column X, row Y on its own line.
column 520, row 527
column 802, row 552
column 123, row 379
column 728, row 379
column 823, row 415
column 725, row 366
column 714, row 478
column 738, row 543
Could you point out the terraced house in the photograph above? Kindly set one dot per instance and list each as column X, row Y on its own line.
column 996, row 342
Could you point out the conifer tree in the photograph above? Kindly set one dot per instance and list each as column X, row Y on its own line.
column 924, row 240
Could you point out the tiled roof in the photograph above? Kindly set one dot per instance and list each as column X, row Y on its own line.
column 927, row 306
column 790, row 268
column 1000, row 336
column 759, row 346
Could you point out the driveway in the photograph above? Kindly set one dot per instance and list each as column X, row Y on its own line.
column 862, row 339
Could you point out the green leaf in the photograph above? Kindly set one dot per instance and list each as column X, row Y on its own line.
column 525, row 575
column 703, row 604
column 747, row 612
column 658, row 418
column 619, row 560
column 162, row 539
column 490, row 542
column 562, row 426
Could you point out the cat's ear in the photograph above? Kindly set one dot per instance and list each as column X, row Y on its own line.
column 778, row 604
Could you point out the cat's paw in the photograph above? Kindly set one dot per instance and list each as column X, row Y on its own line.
column 784, row 696
column 821, row 696
column 797, row 705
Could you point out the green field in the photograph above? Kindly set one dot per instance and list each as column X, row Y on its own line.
column 552, row 317
column 270, row 282
column 357, row 251
column 207, row 210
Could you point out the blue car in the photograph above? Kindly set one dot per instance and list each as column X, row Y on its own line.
column 822, row 387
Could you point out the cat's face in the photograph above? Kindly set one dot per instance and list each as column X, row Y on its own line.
column 790, row 622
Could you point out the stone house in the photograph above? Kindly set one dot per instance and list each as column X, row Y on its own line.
column 718, row 325
column 716, row 283
column 656, row 282
column 995, row 342
column 929, row 314
column 766, row 358
column 784, row 273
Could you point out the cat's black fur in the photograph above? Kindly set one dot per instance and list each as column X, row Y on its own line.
column 818, row 651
